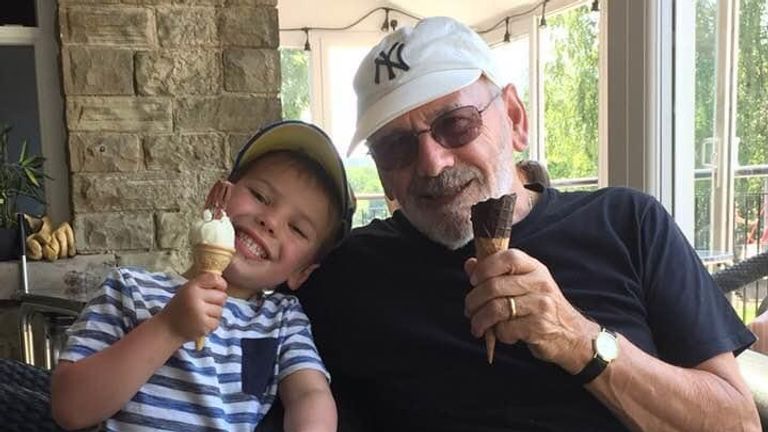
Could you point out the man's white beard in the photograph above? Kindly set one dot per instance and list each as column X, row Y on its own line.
column 452, row 229
column 451, row 225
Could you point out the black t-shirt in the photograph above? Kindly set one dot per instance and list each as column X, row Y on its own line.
column 387, row 311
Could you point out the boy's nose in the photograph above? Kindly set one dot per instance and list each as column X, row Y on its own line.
column 266, row 224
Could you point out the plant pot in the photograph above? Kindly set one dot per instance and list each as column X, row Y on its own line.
column 10, row 246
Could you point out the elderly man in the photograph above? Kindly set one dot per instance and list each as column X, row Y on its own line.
column 605, row 318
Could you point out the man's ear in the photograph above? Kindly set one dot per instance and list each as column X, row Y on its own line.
column 384, row 183
column 295, row 280
column 517, row 115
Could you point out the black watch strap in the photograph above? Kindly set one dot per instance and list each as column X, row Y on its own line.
column 591, row 371
column 597, row 364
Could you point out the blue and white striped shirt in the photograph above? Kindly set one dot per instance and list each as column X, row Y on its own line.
column 229, row 385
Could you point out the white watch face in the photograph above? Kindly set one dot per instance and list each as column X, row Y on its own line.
column 607, row 346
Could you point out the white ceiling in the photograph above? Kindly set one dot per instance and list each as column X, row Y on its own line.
column 335, row 13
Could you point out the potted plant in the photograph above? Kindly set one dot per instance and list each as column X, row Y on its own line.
column 19, row 177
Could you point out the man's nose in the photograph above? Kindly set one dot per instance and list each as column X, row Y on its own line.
column 432, row 157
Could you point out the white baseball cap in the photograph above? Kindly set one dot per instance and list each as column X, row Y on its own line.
column 414, row 66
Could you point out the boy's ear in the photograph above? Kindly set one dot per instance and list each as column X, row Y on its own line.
column 295, row 280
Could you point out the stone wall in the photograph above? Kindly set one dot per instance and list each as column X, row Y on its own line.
column 159, row 96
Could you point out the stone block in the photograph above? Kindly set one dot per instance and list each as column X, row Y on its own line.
column 178, row 72
column 104, row 152
column 225, row 113
column 118, row 25
column 186, row 26
column 251, row 2
column 163, row 261
column 254, row 27
column 236, row 142
column 173, row 229
column 156, row 190
column 251, row 70
column 186, row 152
column 97, row 71
column 119, row 114
column 101, row 232
column 175, row 2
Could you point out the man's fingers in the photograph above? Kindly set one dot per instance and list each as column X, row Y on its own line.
column 492, row 289
column 510, row 261
column 497, row 311
column 469, row 266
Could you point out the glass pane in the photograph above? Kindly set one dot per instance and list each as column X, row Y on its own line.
column 343, row 62
column 19, row 12
column 512, row 60
column 19, row 109
column 569, row 54
column 751, row 144
column 294, row 90
column 706, row 65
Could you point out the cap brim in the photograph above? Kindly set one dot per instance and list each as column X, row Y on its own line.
column 301, row 137
column 408, row 96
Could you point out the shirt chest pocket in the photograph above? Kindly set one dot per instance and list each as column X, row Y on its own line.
column 258, row 366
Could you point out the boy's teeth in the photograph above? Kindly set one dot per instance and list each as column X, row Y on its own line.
column 252, row 246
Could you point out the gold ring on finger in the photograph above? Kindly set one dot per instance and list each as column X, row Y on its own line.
column 512, row 308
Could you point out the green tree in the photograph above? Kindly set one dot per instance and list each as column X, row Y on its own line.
column 294, row 65
column 364, row 179
column 571, row 95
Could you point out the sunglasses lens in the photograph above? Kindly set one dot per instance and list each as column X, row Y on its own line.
column 452, row 130
column 395, row 151
column 458, row 127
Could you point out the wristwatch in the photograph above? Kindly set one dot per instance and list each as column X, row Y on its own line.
column 606, row 348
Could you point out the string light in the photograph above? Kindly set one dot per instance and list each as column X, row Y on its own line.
column 307, row 47
column 385, row 24
column 391, row 24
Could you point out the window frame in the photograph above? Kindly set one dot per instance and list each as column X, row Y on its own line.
column 43, row 40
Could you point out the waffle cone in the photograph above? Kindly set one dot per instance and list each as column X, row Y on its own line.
column 489, row 246
column 211, row 258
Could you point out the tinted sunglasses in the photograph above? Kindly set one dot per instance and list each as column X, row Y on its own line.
column 453, row 129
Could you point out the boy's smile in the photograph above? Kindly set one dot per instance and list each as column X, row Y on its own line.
column 250, row 246
column 281, row 217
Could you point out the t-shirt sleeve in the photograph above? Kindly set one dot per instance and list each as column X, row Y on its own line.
column 104, row 320
column 689, row 315
column 297, row 347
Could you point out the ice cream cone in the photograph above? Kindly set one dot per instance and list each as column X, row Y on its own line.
column 210, row 258
column 492, row 225
column 214, row 259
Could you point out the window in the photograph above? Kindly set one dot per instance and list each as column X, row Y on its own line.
column 31, row 93
column 569, row 55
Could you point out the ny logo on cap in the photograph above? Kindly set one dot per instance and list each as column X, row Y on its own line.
column 386, row 60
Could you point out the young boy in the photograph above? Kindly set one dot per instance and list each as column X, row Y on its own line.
column 131, row 358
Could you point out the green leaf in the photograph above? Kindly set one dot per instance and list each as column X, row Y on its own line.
column 31, row 176
column 23, row 153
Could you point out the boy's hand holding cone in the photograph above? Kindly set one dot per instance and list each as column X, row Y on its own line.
column 213, row 237
column 492, row 226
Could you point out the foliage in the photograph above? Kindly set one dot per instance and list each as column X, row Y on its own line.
column 571, row 95
column 364, row 179
column 19, row 178
column 294, row 64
